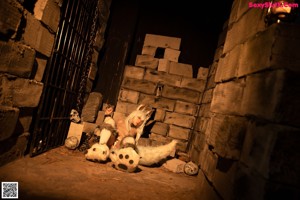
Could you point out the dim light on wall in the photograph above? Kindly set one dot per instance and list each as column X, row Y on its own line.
column 281, row 11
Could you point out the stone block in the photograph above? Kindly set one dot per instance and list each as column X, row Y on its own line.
column 37, row 36
column 270, row 150
column 146, row 61
column 181, row 94
column 205, row 110
column 25, row 119
column 224, row 177
column 100, row 117
column 163, row 65
column 247, row 26
column 139, row 85
column 201, row 124
column 193, row 84
column 75, row 130
column 182, row 146
column 177, row 119
column 211, row 84
column 119, row 116
column 8, row 118
column 159, row 115
column 125, row 108
column 89, row 127
column 157, row 139
column 157, row 102
column 162, row 78
column 207, row 96
column 226, row 134
column 202, row 73
column 16, row 59
column 160, row 128
column 182, row 69
column 186, row 108
column 180, row 133
column 228, row 97
column 91, row 108
column 20, row 92
column 149, row 50
column 129, row 96
column 199, row 141
column 229, row 64
column 206, row 191
column 162, row 41
column 10, row 18
column 263, row 93
column 218, row 53
column 209, row 164
column 41, row 67
column 171, row 54
column 48, row 12
column 134, row 72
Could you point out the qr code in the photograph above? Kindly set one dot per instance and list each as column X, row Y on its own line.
column 10, row 190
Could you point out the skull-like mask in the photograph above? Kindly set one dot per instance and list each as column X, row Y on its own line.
column 74, row 116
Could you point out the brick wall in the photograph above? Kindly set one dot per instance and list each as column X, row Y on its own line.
column 168, row 86
column 27, row 37
column 247, row 135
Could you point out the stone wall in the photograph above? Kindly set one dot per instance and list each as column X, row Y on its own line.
column 27, row 34
column 250, row 127
column 159, row 80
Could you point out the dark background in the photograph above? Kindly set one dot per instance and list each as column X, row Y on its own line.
column 197, row 23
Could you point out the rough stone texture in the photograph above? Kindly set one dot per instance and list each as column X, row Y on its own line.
column 89, row 127
column 180, row 94
column 8, row 120
column 172, row 54
column 201, row 124
column 134, row 72
column 209, row 163
column 139, row 85
column 41, row 66
column 224, row 177
column 37, row 36
column 179, row 132
column 25, row 119
column 125, row 108
column 10, row 18
column 149, row 50
column 186, row 121
column 186, row 108
column 239, row 31
column 229, row 64
column 199, row 140
column 205, row 190
column 162, row 78
column 263, row 93
column 13, row 91
column 100, row 117
column 146, row 61
column 163, row 65
column 182, row 69
column 157, row 139
column 48, row 12
column 16, row 151
column 160, row 115
column 16, row 59
column 218, row 53
column 160, row 128
column 227, row 97
column 202, row 73
column 205, row 110
column 271, row 150
column 129, row 96
column 91, row 108
column 157, row 102
column 226, row 134
column 193, row 84
column 162, row 41
column 207, row 96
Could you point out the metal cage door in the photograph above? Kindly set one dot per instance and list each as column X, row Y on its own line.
column 63, row 77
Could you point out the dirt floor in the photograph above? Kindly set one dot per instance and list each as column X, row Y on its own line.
column 65, row 174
